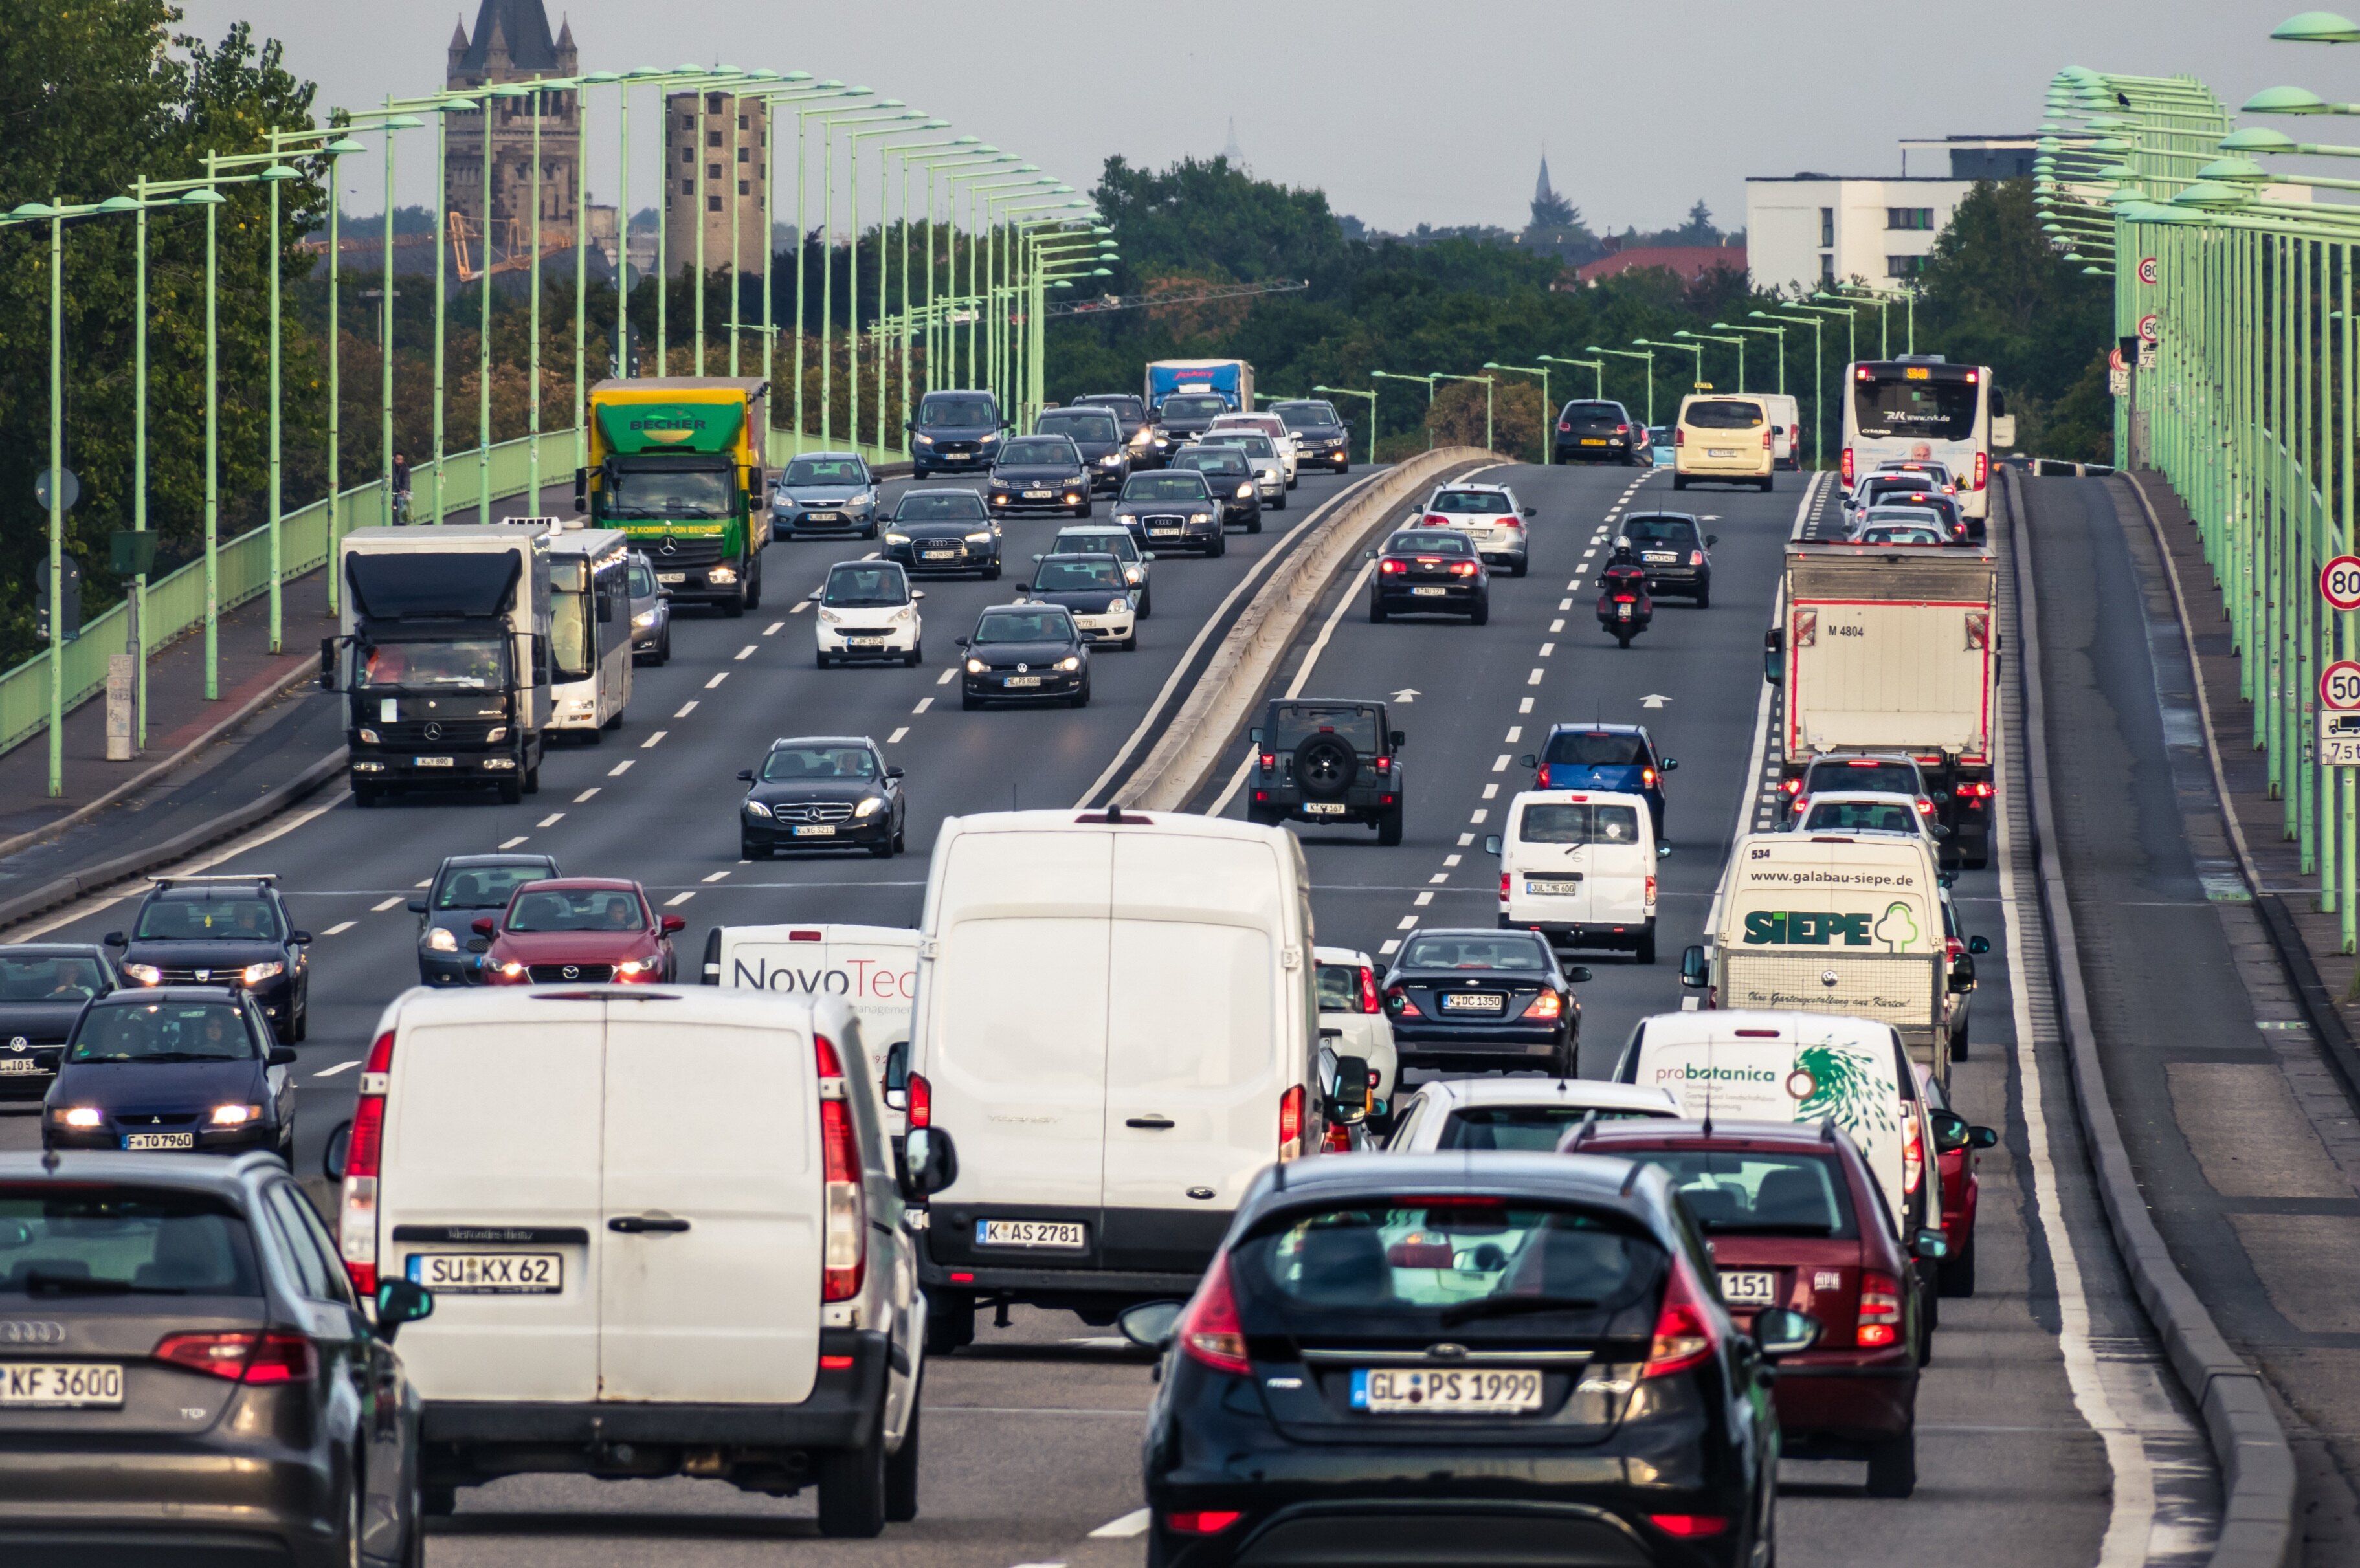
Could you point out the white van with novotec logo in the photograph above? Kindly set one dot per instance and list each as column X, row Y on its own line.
column 874, row 968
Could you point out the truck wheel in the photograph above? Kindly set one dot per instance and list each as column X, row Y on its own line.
column 1892, row 1468
column 902, row 1468
column 1956, row 1276
column 734, row 608
column 754, row 586
column 533, row 780
column 852, row 1490
column 364, row 797
column 1388, row 828
column 616, row 723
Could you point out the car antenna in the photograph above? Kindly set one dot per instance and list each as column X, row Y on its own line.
column 1589, row 1125
column 1708, row 1110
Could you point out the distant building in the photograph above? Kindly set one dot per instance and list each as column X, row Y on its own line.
column 1688, row 262
column 1231, row 151
column 717, row 164
column 603, row 226
column 1811, row 230
column 512, row 43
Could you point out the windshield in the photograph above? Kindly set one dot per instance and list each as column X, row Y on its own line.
column 860, row 586
column 1592, row 411
column 1525, row 1129
column 1721, row 416
column 207, row 917
column 1093, row 425
column 1118, row 543
column 1522, row 954
column 1758, row 1193
column 701, row 493
column 1195, row 406
column 1251, row 445
column 577, row 909
column 1642, row 531
column 1861, row 816
column 1188, row 486
column 826, row 762
column 486, row 887
column 105, row 1240
column 50, row 978
column 471, row 664
column 1292, row 723
column 1872, row 778
column 1037, row 451
column 1928, row 409
column 162, row 1031
column 1443, row 1261
column 1023, row 626
column 943, row 410
column 1212, row 459
column 1578, row 823
column 1430, row 544
column 642, row 578
column 1488, row 502
column 1308, row 416
column 1057, row 576
column 1595, row 749
column 940, row 507
column 825, row 471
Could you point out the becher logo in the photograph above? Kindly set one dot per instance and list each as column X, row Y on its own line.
column 31, row 1330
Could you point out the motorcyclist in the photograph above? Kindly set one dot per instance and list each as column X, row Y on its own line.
column 1624, row 605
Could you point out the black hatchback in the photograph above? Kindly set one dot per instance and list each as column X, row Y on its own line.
column 43, row 986
column 190, row 1377
column 1429, row 1359
column 1429, row 572
column 191, row 1068
column 1025, row 652
column 1597, row 431
column 1676, row 552
column 221, row 930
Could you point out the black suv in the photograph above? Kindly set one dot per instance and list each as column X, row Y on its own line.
column 1594, row 431
column 1145, row 448
column 222, row 931
column 954, row 430
column 1321, row 760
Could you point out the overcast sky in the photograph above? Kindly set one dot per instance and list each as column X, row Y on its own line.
column 1403, row 112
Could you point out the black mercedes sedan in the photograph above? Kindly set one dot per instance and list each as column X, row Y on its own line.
column 221, row 930
column 1100, row 437
column 465, row 886
column 1426, row 1358
column 1025, row 652
column 1041, row 474
column 1230, row 477
column 821, row 792
column 191, row 1378
column 1483, row 1001
column 1172, row 510
column 43, row 986
column 943, row 530
column 1427, row 572
column 191, row 1068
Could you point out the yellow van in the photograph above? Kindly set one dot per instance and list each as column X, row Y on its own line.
column 1722, row 438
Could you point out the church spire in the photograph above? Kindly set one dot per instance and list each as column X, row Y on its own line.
column 1542, row 195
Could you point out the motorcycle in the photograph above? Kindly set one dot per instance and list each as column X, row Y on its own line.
column 1624, row 605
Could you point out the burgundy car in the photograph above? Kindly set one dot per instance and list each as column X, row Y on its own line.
column 1796, row 1221
column 580, row 929
column 1955, row 1142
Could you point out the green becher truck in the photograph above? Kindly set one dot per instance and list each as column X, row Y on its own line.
column 677, row 463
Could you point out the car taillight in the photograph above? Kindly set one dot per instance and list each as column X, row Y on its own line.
column 922, row 1101
column 1765, row 437
column 1880, row 1310
column 1925, row 807
column 1688, row 1527
column 1290, row 1123
column 1369, row 1003
column 1792, row 786
column 1679, row 435
column 1403, row 1006
column 1337, row 1139
column 1683, row 1332
column 242, row 1356
column 1951, row 948
column 1548, row 1004
column 1565, row 424
column 1541, row 780
column 1982, row 468
column 1462, row 569
column 1201, row 1521
column 1696, row 557
column 356, row 1217
column 1506, row 878
column 1384, row 764
column 1647, row 777
column 843, row 1252
column 1389, row 566
column 1436, row 520
column 1211, row 1331
column 1976, row 790
column 1845, row 465
column 1913, row 1156
column 1651, row 889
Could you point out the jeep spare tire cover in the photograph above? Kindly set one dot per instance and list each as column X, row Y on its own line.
column 1326, row 764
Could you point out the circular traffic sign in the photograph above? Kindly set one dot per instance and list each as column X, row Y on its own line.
column 2338, row 582
column 2146, row 269
column 2150, row 330
column 2339, row 686
column 68, row 494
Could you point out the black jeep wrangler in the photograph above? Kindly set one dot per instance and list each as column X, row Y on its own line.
column 1328, row 760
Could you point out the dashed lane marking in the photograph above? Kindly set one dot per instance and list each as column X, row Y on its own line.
column 551, row 820
column 578, row 800
column 1534, row 678
column 512, row 842
column 1477, row 820
column 948, row 676
column 382, row 905
column 923, row 704
column 620, row 769
column 1516, row 733
column 686, row 708
column 798, row 606
column 1408, row 922
column 679, row 898
column 1525, row 706
column 716, row 680
column 1131, row 1524
column 339, row 1067
column 772, row 629
column 1391, row 945
column 1490, row 791
column 1466, row 839
column 746, row 652
column 1500, row 763
column 1547, row 648
column 1439, row 877
column 897, row 734
column 1565, row 604
column 717, row 876
column 1557, row 626
column 1450, row 860
column 340, row 928
column 651, row 742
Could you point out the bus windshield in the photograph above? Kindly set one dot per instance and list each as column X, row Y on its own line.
column 1890, row 406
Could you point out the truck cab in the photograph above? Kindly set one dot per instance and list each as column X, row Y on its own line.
column 676, row 465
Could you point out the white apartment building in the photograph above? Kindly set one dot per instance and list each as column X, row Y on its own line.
column 1810, row 230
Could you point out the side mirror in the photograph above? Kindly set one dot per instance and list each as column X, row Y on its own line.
column 1778, row 1332
column 115, row 938
column 300, row 936
column 1774, row 655
column 1577, row 974
column 482, row 925
column 671, row 923
column 1940, row 795
column 1150, row 1325
column 897, row 1075
column 1671, row 765
column 1368, row 555
column 1348, row 1102
column 909, row 424
column 1025, row 587
column 917, row 593
column 960, row 642
column 1528, row 761
column 1979, row 945
column 280, row 1056
column 327, row 664
column 1036, row 560
column 1254, row 734
column 334, row 1157
column 929, row 1163
column 1491, row 843
column 416, row 906
column 1147, row 555
column 1532, row 512
column 1962, row 976
column 745, row 776
column 400, row 1301
column 1950, row 1130
column 1928, row 1245
column 1937, row 832
column 1982, row 1137
column 1693, row 972
column 1710, row 540
column 1400, row 738
column 893, row 773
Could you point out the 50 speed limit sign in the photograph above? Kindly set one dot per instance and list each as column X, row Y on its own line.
column 2338, row 582
column 2339, row 686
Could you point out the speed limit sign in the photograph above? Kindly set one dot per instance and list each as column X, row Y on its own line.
column 2338, row 582
column 2339, row 686
column 2147, row 271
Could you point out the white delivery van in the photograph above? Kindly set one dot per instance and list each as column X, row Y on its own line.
column 663, row 1232
column 874, row 968
column 1831, row 924
column 1115, row 1019
column 1798, row 1067
column 1785, row 429
column 1578, row 866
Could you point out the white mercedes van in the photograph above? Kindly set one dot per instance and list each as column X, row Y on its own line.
column 1578, row 866
column 664, row 1231
column 1117, row 1019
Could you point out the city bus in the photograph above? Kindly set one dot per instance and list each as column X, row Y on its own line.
column 1921, row 408
column 590, row 628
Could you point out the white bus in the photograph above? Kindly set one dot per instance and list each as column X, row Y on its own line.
column 590, row 628
column 1923, row 408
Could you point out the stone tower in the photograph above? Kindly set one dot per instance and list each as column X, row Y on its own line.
column 716, row 165
column 512, row 43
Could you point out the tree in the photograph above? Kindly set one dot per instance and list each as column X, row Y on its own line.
column 1555, row 212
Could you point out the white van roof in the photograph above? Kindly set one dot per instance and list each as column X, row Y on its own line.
column 1739, row 1026
column 1131, row 820
column 687, row 1005
column 1581, row 1094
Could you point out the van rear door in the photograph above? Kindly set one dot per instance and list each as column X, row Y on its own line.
column 875, row 968
column 710, row 1234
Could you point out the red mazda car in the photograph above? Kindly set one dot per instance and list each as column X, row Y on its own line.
column 578, row 929
column 1955, row 1143
column 1796, row 1221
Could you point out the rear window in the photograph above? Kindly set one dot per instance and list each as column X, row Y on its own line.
column 1485, row 502
column 1863, row 816
column 1612, row 411
column 1290, row 724
column 1428, row 544
column 1440, row 1262
column 1644, row 532
column 1759, row 1193
column 1340, row 987
column 486, row 887
column 58, row 1241
column 1578, row 822
column 1526, row 1130
column 1720, row 415
column 1308, row 416
column 1868, row 778
column 1519, row 954
column 1600, row 750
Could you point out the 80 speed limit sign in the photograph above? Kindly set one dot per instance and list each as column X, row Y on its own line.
column 2339, row 686
column 2339, row 582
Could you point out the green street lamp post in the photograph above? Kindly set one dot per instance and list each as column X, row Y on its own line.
column 1694, row 348
column 1778, row 332
column 1885, row 298
column 1371, row 397
column 1851, row 326
column 1597, row 368
column 1708, row 337
column 1548, row 413
column 1627, row 354
column 1819, row 377
column 1429, row 382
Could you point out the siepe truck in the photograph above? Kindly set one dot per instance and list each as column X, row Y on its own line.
column 1830, row 924
column 1893, row 649
column 676, row 463
column 445, row 657
column 1232, row 378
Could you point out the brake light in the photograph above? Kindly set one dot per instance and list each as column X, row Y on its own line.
column 1337, row 1139
column 1384, row 764
column 1683, row 1332
column 1688, row 1527
column 1951, row 948
column 1925, row 807
column 1880, row 1310
column 1211, row 1331
column 1846, row 466
column 1651, row 889
column 1201, row 1521
column 1765, row 437
column 1403, row 1006
column 1913, row 1156
column 1505, row 878
column 1541, row 780
column 1792, row 786
column 805, row 936
column 1436, row 520
column 1369, row 1003
column 241, row 1357
column 1679, row 435
column 922, row 1101
column 1976, row 790
column 1269, row 761
column 356, row 1217
column 844, row 1254
column 1565, row 424
column 1389, row 565
column 1647, row 777
column 1548, row 1004
column 1621, row 430
column 1290, row 1123
column 1626, row 598
column 1462, row 569
column 1696, row 557
column 1982, row 468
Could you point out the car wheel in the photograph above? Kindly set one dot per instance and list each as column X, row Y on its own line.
column 1388, row 828
column 1645, row 952
column 1767, row 480
column 286, row 1149
column 1081, row 699
column 1519, row 568
column 869, row 532
column 1892, row 1467
column 822, row 658
column 1253, row 524
column 1280, row 504
column 1220, row 547
column 969, row 703
column 902, row 1468
column 1679, row 482
column 1263, row 816
column 1481, row 616
column 1376, row 608
column 950, row 1323
column 852, row 1490
column 1956, row 1276
column 916, row 654
column 616, row 723
column 883, row 848
column 991, row 573
column 1704, row 597
column 901, row 837
column 1146, row 605
column 1562, row 1063
column 413, row 1526
column 664, row 649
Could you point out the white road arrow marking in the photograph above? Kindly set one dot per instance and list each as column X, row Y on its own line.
column 1653, row 700
column 1407, row 695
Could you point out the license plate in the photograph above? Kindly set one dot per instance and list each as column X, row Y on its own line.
column 1021, row 681
column 159, row 1140
column 866, row 641
column 1743, row 1288
column 1491, row 1391
column 1428, row 593
column 1038, row 494
column 1323, row 807
column 433, row 762
column 1553, row 886
column 672, row 576
column 61, row 1384
column 1660, row 557
column 1030, row 1233
column 19, row 1065
column 824, row 517
column 807, row 831
column 1473, row 1002
column 941, row 554
column 1161, row 532
column 1593, row 441
column 489, row 1273
column 1718, row 452
column 1623, row 612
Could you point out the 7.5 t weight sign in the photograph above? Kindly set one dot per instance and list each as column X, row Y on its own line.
column 2339, row 582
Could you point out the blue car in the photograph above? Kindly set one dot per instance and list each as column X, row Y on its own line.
column 1620, row 758
column 1659, row 441
column 193, row 1069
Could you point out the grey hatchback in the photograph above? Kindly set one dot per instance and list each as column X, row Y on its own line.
column 186, row 1376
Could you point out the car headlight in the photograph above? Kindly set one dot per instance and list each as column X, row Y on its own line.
column 1118, row 604
column 925, row 441
column 1131, row 575
column 988, row 440
column 644, row 618
column 861, row 503
column 1112, row 459
column 256, row 974
column 81, row 1116
column 897, row 538
column 870, row 807
column 145, row 973
column 441, row 939
column 981, row 536
column 512, row 970
column 632, row 968
column 756, row 809
column 1200, row 517
column 830, row 617
column 998, row 483
column 235, row 1115
column 906, row 612
column 1070, row 661
column 1245, row 489
column 1126, row 518
column 368, row 736
column 1163, row 440
column 975, row 667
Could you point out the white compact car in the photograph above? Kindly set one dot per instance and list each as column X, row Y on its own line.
column 1526, row 1115
column 1352, row 1021
column 1270, row 425
column 1489, row 516
column 866, row 609
column 1867, row 811
column 1578, row 866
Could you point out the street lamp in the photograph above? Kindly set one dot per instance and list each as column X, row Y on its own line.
column 1428, row 382
column 1819, row 377
column 1549, row 412
column 1908, row 297
column 1694, row 348
column 1626, row 353
column 1709, row 337
column 1371, row 397
column 1779, row 332
column 1597, row 371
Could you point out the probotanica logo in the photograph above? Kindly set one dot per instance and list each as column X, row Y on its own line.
column 1706, row 1073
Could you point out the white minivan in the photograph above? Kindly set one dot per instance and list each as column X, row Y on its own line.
column 874, row 968
column 1578, row 866
column 663, row 1227
column 1117, row 1019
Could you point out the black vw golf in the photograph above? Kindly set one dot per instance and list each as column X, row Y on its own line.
column 43, row 986
column 1423, row 1359
column 1025, row 651
column 1041, row 474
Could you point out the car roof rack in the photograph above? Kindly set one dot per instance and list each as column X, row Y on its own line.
column 163, row 882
